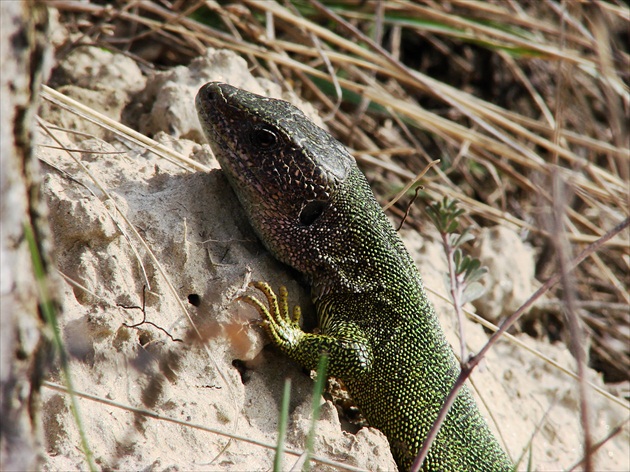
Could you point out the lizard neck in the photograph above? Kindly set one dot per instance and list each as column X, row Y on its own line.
column 356, row 247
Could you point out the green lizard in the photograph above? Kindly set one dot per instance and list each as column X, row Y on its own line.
column 313, row 209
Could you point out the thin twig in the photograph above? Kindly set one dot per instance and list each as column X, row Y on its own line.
column 143, row 308
column 404, row 218
column 410, row 184
column 576, row 342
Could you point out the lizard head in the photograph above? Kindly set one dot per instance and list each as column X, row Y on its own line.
column 284, row 169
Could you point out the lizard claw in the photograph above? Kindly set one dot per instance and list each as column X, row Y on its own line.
column 283, row 329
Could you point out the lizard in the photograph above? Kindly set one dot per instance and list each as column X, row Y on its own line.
column 313, row 209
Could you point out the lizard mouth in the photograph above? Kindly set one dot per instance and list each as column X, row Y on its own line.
column 209, row 111
column 211, row 103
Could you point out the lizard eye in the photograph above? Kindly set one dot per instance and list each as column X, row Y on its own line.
column 311, row 211
column 264, row 138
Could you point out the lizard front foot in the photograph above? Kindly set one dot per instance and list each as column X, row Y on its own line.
column 284, row 330
column 349, row 351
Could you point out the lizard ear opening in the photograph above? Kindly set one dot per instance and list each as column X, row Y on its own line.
column 311, row 211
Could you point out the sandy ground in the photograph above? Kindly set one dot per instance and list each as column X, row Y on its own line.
column 130, row 224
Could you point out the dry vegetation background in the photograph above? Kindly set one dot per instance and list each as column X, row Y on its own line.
column 508, row 95
column 525, row 104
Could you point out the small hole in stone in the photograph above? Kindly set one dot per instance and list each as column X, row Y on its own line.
column 242, row 370
column 194, row 299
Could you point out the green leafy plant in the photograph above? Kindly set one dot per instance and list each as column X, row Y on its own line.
column 465, row 271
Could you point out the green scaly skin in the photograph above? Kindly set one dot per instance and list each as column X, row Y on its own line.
column 313, row 209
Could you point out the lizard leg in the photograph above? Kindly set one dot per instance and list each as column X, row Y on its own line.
column 348, row 350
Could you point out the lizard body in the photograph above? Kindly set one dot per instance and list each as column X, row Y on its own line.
column 314, row 210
